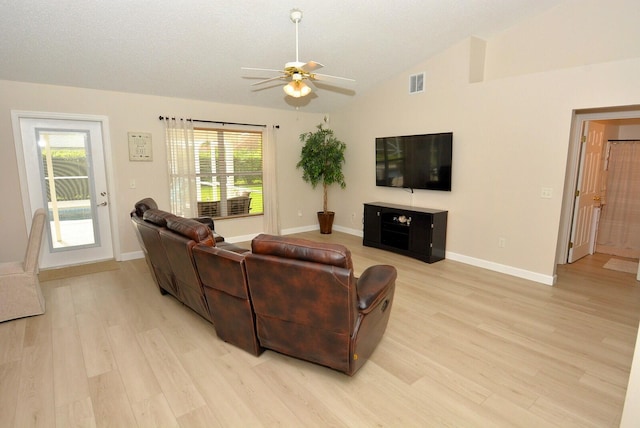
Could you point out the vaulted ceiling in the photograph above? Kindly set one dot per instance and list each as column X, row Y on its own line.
column 195, row 49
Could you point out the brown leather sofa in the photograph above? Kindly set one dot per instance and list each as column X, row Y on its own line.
column 293, row 296
column 309, row 304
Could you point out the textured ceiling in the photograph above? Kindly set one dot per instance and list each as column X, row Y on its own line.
column 195, row 49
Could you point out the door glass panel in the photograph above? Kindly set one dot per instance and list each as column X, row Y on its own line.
column 67, row 187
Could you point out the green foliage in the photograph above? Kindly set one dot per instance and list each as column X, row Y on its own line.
column 244, row 160
column 321, row 159
column 78, row 154
column 250, row 161
column 71, row 171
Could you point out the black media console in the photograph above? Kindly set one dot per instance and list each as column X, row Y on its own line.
column 415, row 232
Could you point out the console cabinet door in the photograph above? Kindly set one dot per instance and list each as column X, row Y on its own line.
column 420, row 238
column 372, row 224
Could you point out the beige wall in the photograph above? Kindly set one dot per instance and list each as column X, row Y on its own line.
column 629, row 132
column 573, row 34
column 131, row 112
column 511, row 135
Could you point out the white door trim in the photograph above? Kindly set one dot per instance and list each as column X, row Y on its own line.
column 573, row 166
column 16, row 115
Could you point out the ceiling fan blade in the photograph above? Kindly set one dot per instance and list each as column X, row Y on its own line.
column 311, row 66
column 319, row 76
column 326, row 86
column 271, row 70
column 269, row 80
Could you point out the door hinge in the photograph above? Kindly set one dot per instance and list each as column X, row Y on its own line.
column 577, row 193
column 570, row 245
column 584, row 138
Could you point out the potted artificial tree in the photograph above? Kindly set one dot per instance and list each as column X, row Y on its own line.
column 321, row 161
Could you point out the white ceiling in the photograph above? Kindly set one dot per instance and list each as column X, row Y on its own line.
column 194, row 49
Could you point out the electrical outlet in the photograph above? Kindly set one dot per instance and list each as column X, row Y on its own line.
column 502, row 242
column 299, row 213
column 546, row 192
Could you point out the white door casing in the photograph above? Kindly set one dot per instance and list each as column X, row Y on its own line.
column 99, row 244
column 588, row 192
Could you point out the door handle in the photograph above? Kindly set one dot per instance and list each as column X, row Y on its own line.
column 104, row 204
column 596, row 198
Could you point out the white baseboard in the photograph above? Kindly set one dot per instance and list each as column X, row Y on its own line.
column 497, row 267
column 356, row 232
column 299, row 230
column 337, row 228
column 240, row 238
column 131, row 256
column 485, row 264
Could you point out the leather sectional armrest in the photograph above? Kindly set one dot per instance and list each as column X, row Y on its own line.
column 373, row 285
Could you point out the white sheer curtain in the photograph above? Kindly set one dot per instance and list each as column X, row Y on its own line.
column 619, row 226
column 270, row 189
column 180, row 154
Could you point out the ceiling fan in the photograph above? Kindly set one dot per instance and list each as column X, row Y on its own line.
column 296, row 72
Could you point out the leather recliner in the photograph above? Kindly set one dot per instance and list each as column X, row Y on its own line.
column 309, row 304
column 224, row 277
column 178, row 240
column 147, row 233
column 148, row 226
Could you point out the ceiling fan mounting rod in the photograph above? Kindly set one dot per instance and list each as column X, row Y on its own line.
column 296, row 17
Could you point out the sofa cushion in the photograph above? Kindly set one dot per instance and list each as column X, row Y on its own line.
column 302, row 249
column 157, row 217
column 190, row 228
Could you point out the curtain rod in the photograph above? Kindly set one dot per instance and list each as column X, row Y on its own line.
column 220, row 123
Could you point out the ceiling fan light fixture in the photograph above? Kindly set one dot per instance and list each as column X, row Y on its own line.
column 297, row 89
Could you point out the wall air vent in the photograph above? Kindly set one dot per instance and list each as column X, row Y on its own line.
column 416, row 83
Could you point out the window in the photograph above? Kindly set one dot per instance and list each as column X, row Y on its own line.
column 228, row 172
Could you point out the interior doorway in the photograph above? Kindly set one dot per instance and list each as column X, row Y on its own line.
column 612, row 123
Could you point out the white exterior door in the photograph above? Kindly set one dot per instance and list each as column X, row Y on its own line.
column 64, row 172
column 588, row 192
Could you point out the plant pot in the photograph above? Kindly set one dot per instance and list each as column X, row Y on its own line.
column 326, row 221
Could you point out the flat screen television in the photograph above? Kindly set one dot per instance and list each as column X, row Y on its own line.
column 415, row 161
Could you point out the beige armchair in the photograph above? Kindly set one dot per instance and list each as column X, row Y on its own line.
column 20, row 294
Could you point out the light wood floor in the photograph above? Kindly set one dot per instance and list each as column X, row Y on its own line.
column 464, row 347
